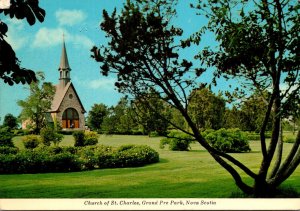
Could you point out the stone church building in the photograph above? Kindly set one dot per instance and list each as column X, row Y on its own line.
column 67, row 109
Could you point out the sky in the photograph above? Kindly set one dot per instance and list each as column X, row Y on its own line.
column 38, row 47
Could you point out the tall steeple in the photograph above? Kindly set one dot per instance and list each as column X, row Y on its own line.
column 64, row 68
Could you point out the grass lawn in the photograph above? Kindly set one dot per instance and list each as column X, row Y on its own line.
column 192, row 174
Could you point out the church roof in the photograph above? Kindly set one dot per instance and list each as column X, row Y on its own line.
column 64, row 62
column 60, row 93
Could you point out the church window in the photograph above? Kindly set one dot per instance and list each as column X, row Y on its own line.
column 70, row 118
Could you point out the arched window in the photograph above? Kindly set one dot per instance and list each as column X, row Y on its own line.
column 70, row 118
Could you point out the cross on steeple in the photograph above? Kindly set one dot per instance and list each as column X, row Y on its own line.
column 64, row 67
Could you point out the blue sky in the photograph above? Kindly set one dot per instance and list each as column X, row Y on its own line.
column 39, row 48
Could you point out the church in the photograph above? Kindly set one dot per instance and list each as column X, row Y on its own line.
column 66, row 108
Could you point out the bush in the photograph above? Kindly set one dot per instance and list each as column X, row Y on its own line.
column 135, row 156
column 231, row 140
column 66, row 159
column 39, row 160
column 8, row 150
column 6, row 137
column 79, row 138
column 154, row 134
column 85, row 138
column 90, row 138
column 177, row 141
column 49, row 135
column 289, row 139
column 31, row 141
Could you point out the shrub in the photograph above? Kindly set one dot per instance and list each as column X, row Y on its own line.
column 49, row 135
column 135, row 156
column 231, row 140
column 39, row 160
column 8, row 150
column 6, row 137
column 154, row 134
column 31, row 141
column 90, row 138
column 177, row 141
column 87, row 157
column 65, row 159
column 289, row 139
column 79, row 138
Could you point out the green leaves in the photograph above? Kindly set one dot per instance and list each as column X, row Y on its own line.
column 26, row 9
column 10, row 70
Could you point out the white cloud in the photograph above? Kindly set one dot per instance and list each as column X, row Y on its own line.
column 107, row 84
column 70, row 17
column 48, row 37
column 102, row 83
column 15, row 36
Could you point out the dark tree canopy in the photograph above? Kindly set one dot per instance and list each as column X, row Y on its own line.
column 10, row 121
column 11, row 71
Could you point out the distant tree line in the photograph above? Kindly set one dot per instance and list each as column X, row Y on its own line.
column 206, row 108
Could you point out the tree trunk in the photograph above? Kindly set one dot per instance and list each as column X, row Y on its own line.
column 262, row 189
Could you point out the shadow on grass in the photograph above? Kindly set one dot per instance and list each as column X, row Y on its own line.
column 281, row 192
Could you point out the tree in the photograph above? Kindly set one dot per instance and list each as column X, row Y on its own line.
column 36, row 106
column 152, row 113
column 10, row 70
column 96, row 116
column 143, row 52
column 119, row 118
column 232, row 118
column 206, row 109
column 10, row 121
column 259, row 43
column 252, row 113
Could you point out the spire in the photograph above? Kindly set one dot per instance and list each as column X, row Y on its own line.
column 64, row 63
column 64, row 68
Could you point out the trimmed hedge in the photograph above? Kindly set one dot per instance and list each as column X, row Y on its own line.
column 67, row 159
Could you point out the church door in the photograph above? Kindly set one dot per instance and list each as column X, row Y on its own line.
column 70, row 118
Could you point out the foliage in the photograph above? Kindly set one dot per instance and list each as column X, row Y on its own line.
column 10, row 121
column 206, row 109
column 119, row 119
column 231, row 140
column 8, row 150
column 253, row 111
column 67, row 159
column 143, row 52
column 37, row 104
column 48, row 135
column 6, row 137
column 31, row 141
column 85, row 138
column 125, row 156
column 96, row 116
column 10, row 70
column 177, row 141
column 79, row 138
column 269, row 66
column 90, row 138
column 152, row 113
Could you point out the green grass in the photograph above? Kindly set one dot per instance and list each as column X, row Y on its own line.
column 192, row 174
